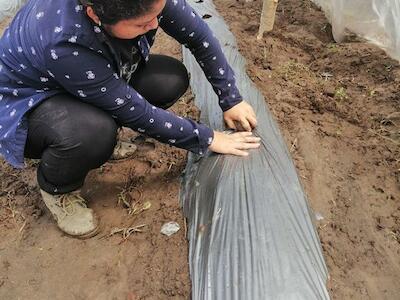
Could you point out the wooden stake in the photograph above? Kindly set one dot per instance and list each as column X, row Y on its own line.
column 267, row 17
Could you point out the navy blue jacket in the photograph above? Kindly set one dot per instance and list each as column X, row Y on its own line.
column 52, row 47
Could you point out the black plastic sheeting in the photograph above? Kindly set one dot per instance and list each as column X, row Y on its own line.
column 250, row 230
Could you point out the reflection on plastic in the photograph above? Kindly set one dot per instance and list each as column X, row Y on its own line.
column 250, row 230
column 376, row 20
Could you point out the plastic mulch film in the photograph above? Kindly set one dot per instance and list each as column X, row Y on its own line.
column 8, row 8
column 250, row 230
column 375, row 20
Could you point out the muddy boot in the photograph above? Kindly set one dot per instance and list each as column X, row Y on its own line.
column 123, row 150
column 72, row 215
column 143, row 143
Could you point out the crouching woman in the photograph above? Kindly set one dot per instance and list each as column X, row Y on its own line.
column 72, row 72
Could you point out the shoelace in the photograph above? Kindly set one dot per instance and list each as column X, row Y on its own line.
column 68, row 205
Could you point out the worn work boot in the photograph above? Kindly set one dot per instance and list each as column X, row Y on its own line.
column 123, row 150
column 143, row 143
column 72, row 215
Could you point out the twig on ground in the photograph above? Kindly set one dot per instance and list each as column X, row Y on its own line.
column 125, row 231
column 170, row 166
column 294, row 145
column 384, row 137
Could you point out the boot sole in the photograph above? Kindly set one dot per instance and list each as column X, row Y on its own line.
column 89, row 234
column 85, row 236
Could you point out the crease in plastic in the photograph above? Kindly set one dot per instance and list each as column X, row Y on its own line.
column 250, row 230
column 378, row 21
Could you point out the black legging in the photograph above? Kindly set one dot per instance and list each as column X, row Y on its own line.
column 63, row 130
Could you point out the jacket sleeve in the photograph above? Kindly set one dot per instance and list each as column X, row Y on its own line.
column 179, row 20
column 90, row 77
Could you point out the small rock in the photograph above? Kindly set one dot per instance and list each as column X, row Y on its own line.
column 319, row 216
column 170, row 228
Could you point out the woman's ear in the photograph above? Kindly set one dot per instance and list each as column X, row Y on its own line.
column 91, row 14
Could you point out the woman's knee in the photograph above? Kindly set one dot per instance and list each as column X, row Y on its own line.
column 73, row 131
column 66, row 162
column 97, row 138
column 162, row 81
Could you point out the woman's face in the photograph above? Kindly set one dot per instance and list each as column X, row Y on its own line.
column 131, row 28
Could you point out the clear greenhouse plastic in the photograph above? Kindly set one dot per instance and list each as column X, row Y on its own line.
column 8, row 8
column 250, row 230
column 375, row 20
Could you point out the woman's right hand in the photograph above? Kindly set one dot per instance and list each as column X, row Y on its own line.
column 235, row 143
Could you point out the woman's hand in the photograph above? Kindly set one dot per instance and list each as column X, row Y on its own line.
column 243, row 114
column 235, row 143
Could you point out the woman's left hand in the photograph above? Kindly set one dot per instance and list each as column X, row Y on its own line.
column 243, row 114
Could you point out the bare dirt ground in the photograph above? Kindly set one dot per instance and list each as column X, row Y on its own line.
column 338, row 106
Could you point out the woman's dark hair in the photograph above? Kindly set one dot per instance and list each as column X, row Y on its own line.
column 112, row 11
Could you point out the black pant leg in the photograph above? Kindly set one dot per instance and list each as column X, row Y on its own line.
column 71, row 138
column 162, row 80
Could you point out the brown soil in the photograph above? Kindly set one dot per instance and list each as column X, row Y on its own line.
column 338, row 106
